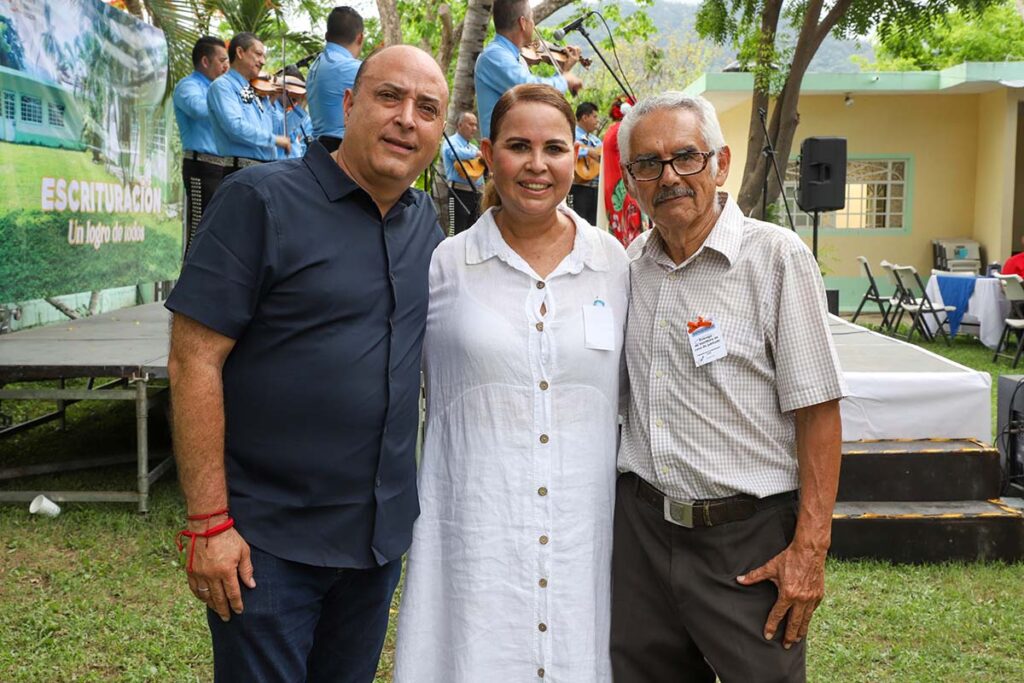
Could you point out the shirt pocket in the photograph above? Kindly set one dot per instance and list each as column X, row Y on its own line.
column 745, row 352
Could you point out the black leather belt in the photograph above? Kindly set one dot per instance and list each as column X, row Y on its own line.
column 706, row 513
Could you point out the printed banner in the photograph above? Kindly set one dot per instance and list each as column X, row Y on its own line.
column 89, row 173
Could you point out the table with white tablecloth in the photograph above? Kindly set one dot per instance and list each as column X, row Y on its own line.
column 987, row 308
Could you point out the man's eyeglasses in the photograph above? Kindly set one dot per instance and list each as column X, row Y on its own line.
column 687, row 163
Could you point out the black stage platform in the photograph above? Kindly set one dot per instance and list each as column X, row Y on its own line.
column 128, row 345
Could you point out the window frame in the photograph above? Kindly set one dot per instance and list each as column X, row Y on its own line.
column 9, row 97
column 22, row 108
column 52, row 107
column 908, row 201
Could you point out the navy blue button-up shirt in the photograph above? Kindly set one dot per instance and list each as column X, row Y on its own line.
column 327, row 302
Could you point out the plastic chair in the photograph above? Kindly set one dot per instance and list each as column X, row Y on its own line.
column 891, row 323
column 1015, row 295
column 920, row 306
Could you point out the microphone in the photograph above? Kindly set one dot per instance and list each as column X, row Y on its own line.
column 574, row 25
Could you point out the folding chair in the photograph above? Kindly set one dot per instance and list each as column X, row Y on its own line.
column 891, row 323
column 1015, row 295
column 884, row 303
column 921, row 306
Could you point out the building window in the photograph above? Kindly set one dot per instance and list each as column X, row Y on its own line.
column 55, row 112
column 9, row 105
column 31, row 109
column 875, row 196
column 159, row 138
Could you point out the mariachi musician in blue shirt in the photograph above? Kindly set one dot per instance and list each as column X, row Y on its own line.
column 334, row 72
column 500, row 66
column 242, row 119
column 200, row 167
column 462, row 165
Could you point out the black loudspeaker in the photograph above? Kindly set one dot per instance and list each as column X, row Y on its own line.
column 822, row 174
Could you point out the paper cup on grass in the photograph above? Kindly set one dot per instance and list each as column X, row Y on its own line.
column 41, row 505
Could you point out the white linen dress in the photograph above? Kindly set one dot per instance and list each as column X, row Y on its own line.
column 508, row 578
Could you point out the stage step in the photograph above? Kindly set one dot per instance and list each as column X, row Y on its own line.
column 919, row 470
column 925, row 532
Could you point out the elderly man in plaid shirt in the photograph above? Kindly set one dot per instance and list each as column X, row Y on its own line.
column 731, row 445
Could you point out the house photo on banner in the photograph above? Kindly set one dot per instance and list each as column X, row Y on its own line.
column 90, row 190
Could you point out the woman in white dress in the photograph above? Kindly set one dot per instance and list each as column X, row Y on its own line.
column 508, row 578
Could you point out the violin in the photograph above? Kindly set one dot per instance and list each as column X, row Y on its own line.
column 265, row 86
column 543, row 52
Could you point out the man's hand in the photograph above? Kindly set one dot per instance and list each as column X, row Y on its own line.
column 574, row 82
column 799, row 574
column 217, row 565
column 283, row 142
column 572, row 53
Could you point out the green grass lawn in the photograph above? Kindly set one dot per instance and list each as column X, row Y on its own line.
column 98, row 593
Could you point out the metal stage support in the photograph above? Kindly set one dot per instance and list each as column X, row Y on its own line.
column 129, row 345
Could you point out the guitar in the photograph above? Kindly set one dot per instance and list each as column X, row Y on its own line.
column 475, row 169
column 587, row 168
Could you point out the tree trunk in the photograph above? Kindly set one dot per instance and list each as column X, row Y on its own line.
column 389, row 23
column 785, row 117
column 474, row 31
column 750, row 190
column 444, row 52
column 134, row 8
column 63, row 308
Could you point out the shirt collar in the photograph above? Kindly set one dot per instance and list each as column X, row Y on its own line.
column 485, row 242
column 335, row 50
column 337, row 184
column 507, row 44
column 236, row 77
column 725, row 238
column 201, row 77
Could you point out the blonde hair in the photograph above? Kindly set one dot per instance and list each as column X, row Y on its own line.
column 526, row 92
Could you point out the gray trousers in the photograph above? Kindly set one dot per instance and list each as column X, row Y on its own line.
column 678, row 614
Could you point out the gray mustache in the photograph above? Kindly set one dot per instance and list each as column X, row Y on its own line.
column 672, row 193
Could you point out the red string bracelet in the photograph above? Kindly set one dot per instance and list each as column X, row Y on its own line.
column 193, row 535
column 200, row 518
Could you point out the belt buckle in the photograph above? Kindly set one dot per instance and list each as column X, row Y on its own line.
column 680, row 514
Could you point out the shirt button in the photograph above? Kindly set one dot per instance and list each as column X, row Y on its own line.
column 540, row 327
column 543, row 540
column 542, row 491
column 542, row 627
column 660, row 422
column 392, row 276
column 540, row 673
column 543, row 583
column 663, row 323
column 540, row 285
column 544, row 385
column 378, row 482
column 544, row 438
column 659, row 374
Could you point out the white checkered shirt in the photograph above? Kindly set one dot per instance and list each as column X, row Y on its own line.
column 726, row 427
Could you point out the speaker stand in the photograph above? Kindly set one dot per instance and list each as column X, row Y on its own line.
column 814, row 239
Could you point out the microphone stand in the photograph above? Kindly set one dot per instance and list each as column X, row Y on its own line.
column 625, row 91
column 769, row 152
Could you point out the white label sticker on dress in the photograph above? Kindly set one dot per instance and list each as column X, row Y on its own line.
column 598, row 327
column 706, row 341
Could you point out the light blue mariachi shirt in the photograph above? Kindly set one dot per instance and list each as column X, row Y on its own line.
column 192, row 115
column 300, row 127
column 498, row 68
column 586, row 140
column 243, row 125
column 464, row 150
column 329, row 76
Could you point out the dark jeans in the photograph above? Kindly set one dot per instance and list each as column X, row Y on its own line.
column 583, row 200
column 678, row 614
column 305, row 623
column 201, row 181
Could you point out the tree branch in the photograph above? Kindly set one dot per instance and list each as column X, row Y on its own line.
column 547, row 8
column 63, row 308
column 389, row 22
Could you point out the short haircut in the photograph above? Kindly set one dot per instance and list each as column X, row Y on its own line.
column 293, row 71
column 507, row 13
column 462, row 117
column 710, row 129
column 343, row 25
column 243, row 40
column 205, row 47
column 584, row 109
column 524, row 93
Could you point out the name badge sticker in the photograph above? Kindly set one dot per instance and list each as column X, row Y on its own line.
column 598, row 327
column 706, row 341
